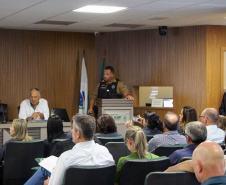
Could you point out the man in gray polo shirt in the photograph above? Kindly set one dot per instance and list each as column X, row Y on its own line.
column 170, row 136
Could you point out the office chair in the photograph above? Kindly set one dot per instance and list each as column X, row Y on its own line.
column 134, row 171
column 90, row 175
column 19, row 159
column 166, row 150
column 117, row 150
column 105, row 140
column 171, row 178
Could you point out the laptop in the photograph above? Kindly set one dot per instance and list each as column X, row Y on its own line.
column 62, row 113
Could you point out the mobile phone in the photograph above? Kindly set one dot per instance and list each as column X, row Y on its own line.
column 135, row 119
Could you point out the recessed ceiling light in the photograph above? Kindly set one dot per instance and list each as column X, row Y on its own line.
column 99, row 9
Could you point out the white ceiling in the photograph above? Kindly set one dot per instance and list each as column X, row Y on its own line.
column 23, row 14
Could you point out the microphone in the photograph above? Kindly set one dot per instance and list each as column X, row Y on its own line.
column 4, row 120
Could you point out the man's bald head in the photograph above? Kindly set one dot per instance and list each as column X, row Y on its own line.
column 211, row 115
column 171, row 121
column 208, row 160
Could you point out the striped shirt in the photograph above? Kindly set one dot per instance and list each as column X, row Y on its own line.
column 168, row 138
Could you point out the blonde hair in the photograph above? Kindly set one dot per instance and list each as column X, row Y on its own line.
column 136, row 134
column 20, row 127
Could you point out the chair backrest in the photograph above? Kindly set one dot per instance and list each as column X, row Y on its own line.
column 182, row 159
column 49, row 148
column 166, row 150
column 105, row 140
column 117, row 150
column 90, row 175
column 62, row 146
column 134, row 171
column 171, row 178
column 149, row 137
column 19, row 159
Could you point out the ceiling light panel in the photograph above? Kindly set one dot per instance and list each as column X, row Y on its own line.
column 99, row 9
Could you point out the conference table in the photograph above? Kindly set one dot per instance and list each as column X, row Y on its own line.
column 36, row 129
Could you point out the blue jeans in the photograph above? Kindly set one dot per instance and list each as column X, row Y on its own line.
column 39, row 177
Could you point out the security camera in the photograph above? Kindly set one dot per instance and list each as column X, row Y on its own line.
column 96, row 34
column 162, row 33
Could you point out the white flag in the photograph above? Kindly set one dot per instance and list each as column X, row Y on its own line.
column 83, row 99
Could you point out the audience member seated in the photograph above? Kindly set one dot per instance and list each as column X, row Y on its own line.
column 209, row 117
column 18, row 131
column 35, row 108
column 170, row 136
column 84, row 153
column 222, row 122
column 68, row 144
column 195, row 134
column 188, row 114
column 151, row 123
column 54, row 131
column 207, row 163
column 106, row 127
column 136, row 142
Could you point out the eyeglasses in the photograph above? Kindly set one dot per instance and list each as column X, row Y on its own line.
column 203, row 117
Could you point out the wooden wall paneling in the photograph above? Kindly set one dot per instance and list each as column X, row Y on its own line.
column 223, row 50
column 50, row 61
column 145, row 58
column 216, row 39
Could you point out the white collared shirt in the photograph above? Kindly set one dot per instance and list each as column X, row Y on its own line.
column 82, row 154
column 26, row 110
column 215, row 134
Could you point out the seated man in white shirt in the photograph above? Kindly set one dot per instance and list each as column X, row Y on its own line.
column 85, row 153
column 35, row 108
column 209, row 117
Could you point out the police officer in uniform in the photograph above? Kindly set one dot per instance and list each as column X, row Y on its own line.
column 109, row 88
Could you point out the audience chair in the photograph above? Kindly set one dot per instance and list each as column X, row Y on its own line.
column 171, row 178
column 166, row 150
column 117, row 150
column 49, row 148
column 90, row 175
column 55, row 141
column 105, row 140
column 19, row 159
column 61, row 147
column 149, row 137
column 182, row 159
column 134, row 171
